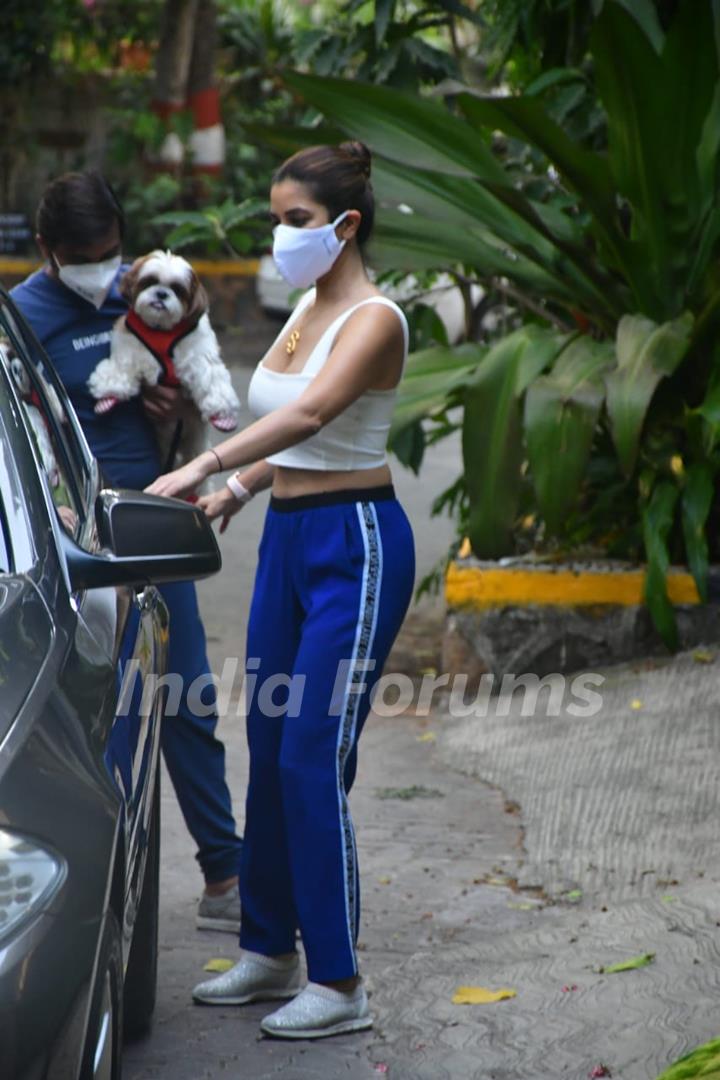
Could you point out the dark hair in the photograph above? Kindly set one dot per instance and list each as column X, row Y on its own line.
column 78, row 208
column 338, row 177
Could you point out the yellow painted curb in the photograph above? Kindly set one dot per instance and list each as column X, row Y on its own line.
column 226, row 267
column 19, row 266
column 480, row 588
column 205, row 267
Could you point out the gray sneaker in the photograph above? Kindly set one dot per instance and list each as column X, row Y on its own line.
column 220, row 912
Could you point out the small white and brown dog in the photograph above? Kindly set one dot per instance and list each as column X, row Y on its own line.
column 166, row 339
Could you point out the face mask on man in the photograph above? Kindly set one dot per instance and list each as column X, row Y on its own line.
column 304, row 255
column 91, row 281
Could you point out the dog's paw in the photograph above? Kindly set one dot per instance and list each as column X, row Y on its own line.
column 224, row 421
column 105, row 404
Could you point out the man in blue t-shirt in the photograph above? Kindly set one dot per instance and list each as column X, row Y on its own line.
column 72, row 304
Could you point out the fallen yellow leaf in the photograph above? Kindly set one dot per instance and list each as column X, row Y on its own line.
column 702, row 656
column 429, row 736
column 480, row 995
column 636, row 704
column 219, row 965
column 384, row 880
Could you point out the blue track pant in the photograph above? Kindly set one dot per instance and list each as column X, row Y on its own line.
column 334, row 581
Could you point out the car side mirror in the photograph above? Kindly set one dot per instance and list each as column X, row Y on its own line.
column 147, row 539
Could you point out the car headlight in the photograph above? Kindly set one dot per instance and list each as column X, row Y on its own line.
column 29, row 876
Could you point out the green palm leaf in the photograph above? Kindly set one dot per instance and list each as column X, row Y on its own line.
column 561, row 413
column 492, row 438
column 646, row 353
column 700, row 1064
column 401, row 126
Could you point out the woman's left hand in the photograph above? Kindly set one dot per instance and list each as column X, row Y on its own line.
column 181, row 482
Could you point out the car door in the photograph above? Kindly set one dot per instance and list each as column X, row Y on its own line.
column 129, row 627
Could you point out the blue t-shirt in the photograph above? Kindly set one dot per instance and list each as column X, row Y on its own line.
column 76, row 337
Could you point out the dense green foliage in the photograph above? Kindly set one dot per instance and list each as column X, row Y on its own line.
column 595, row 422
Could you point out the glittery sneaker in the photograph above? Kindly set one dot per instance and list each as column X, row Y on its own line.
column 220, row 912
column 253, row 978
column 320, row 1011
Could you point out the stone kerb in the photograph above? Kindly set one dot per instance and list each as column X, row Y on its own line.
column 518, row 616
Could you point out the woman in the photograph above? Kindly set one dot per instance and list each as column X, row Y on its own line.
column 335, row 577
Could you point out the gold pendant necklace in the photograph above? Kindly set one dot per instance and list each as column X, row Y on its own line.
column 292, row 341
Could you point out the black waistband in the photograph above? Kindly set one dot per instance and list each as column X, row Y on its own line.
column 333, row 498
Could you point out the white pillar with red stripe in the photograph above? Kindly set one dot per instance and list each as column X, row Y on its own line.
column 207, row 141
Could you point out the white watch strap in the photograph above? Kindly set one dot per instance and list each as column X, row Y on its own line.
column 239, row 490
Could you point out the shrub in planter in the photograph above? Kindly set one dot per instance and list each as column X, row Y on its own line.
column 595, row 424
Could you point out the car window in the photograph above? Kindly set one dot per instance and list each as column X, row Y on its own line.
column 46, row 421
column 78, row 459
column 63, row 452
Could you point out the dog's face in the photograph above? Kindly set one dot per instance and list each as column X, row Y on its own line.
column 163, row 289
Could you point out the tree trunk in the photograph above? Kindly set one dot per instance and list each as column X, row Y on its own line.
column 185, row 80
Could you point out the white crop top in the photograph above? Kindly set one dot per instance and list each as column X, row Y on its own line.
column 356, row 439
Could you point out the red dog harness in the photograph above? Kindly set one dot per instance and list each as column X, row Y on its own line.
column 161, row 343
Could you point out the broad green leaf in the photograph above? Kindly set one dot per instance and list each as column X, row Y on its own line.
column 287, row 138
column 587, row 173
column 384, row 10
column 413, row 242
column 493, row 455
column 629, row 76
column 710, row 408
column 188, row 233
column 657, row 522
column 703, row 1063
column 658, row 108
column 492, row 434
column 697, row 499
column 401, row 126
column 524, row 118
column 629, row 965
column 535, row 262
column 691, row 74
column 430, row 377
column 708, row 150
column 643, row 11
column 646, row 353
column 561, row 413
column 409, row 446
column 554, row 77
column 247, row 210
column 181, row 217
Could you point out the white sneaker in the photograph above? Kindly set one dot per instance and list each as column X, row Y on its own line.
column 320, row 1011
column 254, row 978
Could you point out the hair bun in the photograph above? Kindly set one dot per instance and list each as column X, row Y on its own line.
column 359, row 151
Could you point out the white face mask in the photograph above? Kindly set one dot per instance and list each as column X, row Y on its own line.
column 91, row 281
column 304, row 255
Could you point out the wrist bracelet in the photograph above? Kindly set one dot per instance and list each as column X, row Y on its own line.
column 239, row 490
column 217, row 458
